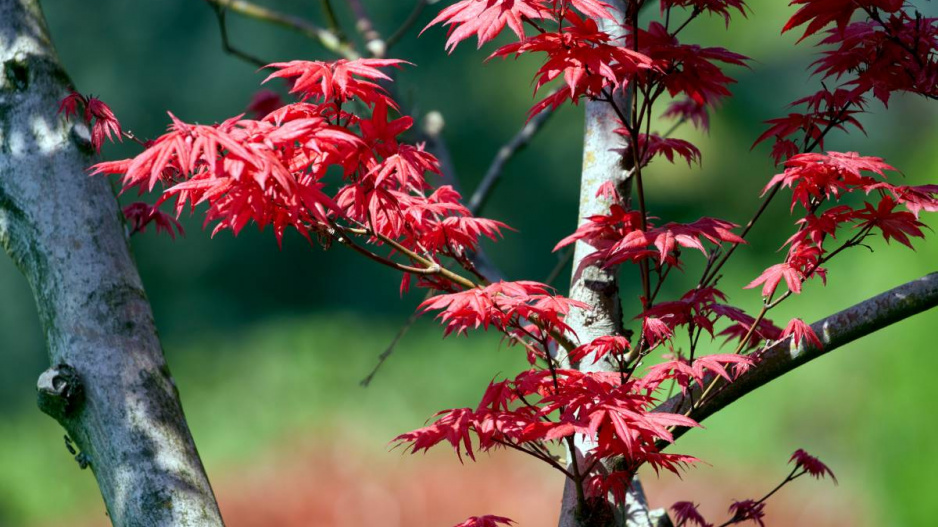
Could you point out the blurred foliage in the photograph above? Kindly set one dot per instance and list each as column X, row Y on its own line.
column 252, row 334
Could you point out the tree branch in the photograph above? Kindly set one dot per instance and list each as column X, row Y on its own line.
column 834, row 331
column 505, row 153
column 328, row 39
column 109, row 385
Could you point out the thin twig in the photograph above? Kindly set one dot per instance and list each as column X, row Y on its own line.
column 505, row 153
column 334, row 24
column 226, row 44
column 366, row 28
column 405, row 28
column 324, row 37
column 393, row 345
column 561, row 264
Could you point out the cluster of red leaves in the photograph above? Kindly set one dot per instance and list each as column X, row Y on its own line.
column 551, row 406
column 502, row 305
column 591, row 63
column 890, row 49
column 700, row 310
column 94, row 113
column 139, row 215
column 684, row 70
column 819, row 179
column 618, row 237
column 273, row 170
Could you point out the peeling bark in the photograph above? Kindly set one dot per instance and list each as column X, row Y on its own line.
column 109, row 385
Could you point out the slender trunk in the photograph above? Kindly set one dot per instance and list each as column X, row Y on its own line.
column 109, row 386
column 600, row 288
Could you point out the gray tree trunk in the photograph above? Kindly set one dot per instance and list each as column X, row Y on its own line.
column 602, row 163
column 109, row 385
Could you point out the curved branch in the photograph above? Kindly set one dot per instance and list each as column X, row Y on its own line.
column 834, row 331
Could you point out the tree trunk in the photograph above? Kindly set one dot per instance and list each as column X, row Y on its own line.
column 597, row 287
column 109, row 386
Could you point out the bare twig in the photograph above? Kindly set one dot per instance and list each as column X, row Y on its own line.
column 326, row 38
column 393, row 345
column 405, row 28
column 505, row 153
column 366, row 28
column 220, row 13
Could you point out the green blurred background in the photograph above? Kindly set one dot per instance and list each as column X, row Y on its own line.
column 268, row 345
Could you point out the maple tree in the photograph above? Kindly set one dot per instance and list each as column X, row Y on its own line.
column 334, row 165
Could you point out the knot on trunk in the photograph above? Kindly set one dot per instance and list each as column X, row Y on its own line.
column 60, row 392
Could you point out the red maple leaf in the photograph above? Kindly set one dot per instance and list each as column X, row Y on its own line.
column 811, row 465
column 71, row 103
column 685, row 513
column 798, row 330
column 775, row 274
column 819, row 13
column 139, row 215
column 654, row 145
column 337, row 81
column 893, row 224
column 263, row 102
column 600, row 347
column 748, row 510
column 487, row 18
column 105, row 124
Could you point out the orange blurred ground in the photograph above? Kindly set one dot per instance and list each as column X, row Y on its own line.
column 322, row 485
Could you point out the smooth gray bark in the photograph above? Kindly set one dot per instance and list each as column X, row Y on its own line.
column 109, row 385
column 603, row 162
